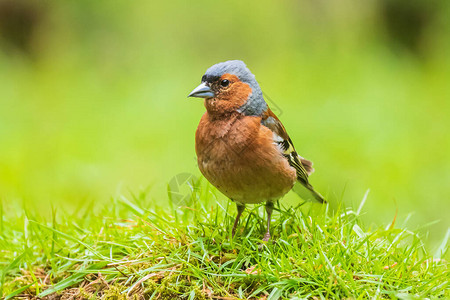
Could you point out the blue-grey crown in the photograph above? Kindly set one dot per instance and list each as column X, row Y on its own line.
column 255, row 105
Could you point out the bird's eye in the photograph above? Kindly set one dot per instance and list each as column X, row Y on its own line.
column 203, row 78
column 225, row 82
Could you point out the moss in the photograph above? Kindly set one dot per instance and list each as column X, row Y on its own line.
column 114, row 293
column 85, row 294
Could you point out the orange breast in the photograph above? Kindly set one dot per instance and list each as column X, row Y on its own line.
column 238, row 156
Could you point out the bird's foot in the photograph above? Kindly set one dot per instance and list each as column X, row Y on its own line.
column 266, row 237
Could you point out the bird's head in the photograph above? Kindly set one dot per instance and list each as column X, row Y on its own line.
column 230, row 86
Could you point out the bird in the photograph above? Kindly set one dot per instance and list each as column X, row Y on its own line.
column 242, row 147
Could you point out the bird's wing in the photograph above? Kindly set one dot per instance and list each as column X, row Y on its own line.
column 281, row 138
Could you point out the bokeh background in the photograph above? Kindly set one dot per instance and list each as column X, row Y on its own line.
column 93, row 97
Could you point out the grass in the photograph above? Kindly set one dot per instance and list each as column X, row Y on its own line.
column 135, row 249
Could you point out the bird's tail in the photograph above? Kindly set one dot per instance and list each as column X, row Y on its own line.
column 305, row 184
column 316, row 195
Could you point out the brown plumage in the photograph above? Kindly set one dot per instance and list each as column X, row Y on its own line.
column 237, row 155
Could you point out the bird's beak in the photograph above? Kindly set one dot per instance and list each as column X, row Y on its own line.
column 202, row 91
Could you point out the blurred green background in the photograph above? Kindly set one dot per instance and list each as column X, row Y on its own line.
column 93, row 96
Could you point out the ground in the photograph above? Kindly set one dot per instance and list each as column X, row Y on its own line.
column 134, row 249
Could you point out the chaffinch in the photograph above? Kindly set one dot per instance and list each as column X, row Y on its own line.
column 242, row 147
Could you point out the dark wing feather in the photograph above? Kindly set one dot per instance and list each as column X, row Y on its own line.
column 301, row 165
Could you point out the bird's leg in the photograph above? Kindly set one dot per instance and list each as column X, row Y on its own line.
column 269, row 208
column 240, row 209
